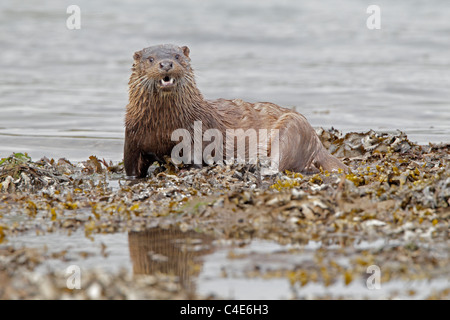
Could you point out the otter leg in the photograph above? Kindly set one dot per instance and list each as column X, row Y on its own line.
column 300, row 147
column 137, row 166
column 298, row 143
column 136, row 162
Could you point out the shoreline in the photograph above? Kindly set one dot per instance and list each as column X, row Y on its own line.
column 397, row 196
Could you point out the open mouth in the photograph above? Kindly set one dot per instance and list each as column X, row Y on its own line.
column 167, row 82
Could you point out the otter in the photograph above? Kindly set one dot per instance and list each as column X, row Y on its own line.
column 163, row 97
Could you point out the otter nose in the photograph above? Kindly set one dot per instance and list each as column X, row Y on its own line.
column 166, row 65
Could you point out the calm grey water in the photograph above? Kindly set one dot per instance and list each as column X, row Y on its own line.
column 63, row 92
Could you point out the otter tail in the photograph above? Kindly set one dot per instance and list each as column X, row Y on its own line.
column 328, row 162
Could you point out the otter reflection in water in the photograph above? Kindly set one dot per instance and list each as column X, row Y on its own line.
column 169, row 251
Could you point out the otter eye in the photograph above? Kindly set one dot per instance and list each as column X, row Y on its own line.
column 151, row 59
column 177, row 56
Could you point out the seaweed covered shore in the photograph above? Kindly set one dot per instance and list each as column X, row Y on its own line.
column 397, row 192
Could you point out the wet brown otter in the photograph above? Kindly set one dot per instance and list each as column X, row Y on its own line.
column 164, row 97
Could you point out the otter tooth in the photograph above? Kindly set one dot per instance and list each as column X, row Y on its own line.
column 165, row 83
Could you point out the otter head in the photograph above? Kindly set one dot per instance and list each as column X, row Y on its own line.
column 162, row 69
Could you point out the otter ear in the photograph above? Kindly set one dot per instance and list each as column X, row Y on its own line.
column 137, row 55
column 186, row 51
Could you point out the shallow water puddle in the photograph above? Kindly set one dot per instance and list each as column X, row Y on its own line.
column 108, row 252
column 207, row 267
